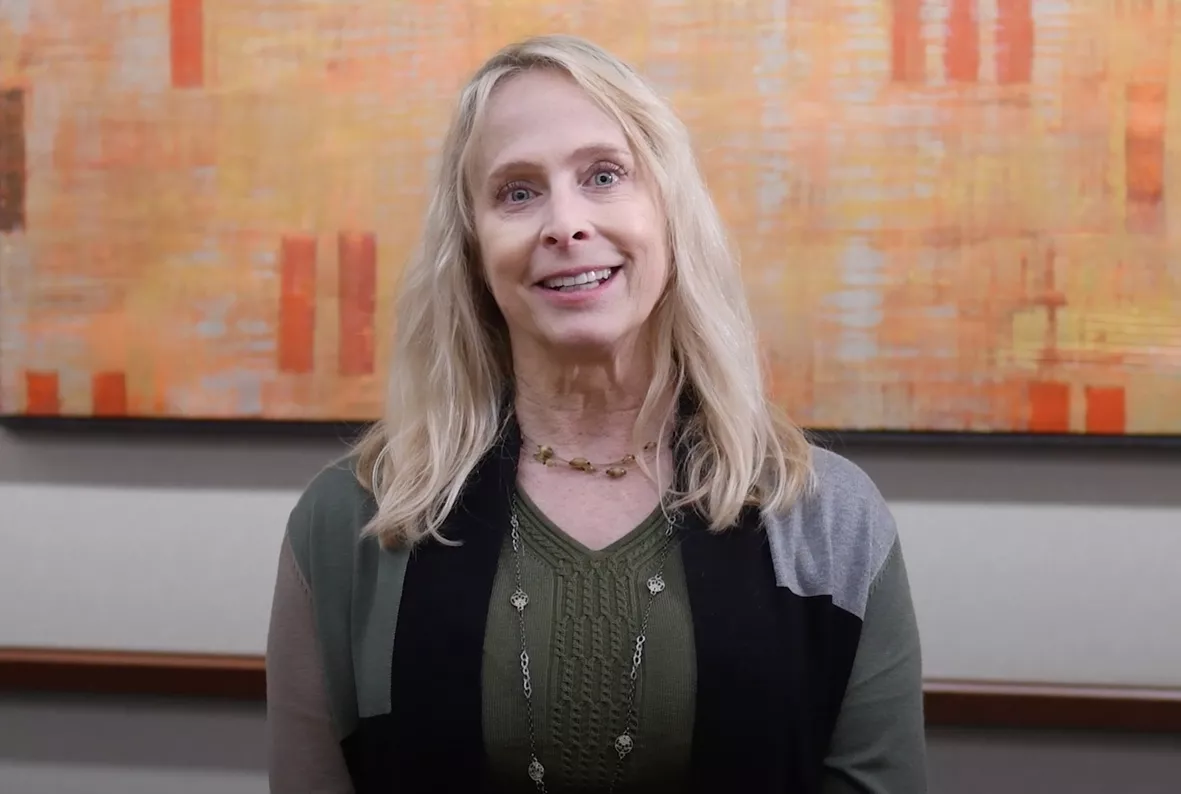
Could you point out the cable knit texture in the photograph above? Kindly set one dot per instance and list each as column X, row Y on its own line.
column 585, row 609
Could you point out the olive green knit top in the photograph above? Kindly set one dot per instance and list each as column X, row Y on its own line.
column 584, row 612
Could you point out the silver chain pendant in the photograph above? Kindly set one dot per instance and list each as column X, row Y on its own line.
column 625, row 742
column 536, row 771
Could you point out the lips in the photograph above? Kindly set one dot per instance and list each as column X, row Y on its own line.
column 588, row 279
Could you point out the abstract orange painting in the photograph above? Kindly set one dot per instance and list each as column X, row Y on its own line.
column 953, row 215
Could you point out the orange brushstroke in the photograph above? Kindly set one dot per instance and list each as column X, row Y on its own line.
column 109, row 394
column 357, row 253
column 42, row 397
column 1144, row 141
column 906, row 41
column 1106, row 410
column 13, row 171
column 297, row 303
column 1014, row 41
column 1049, row 407
column 187, row 43
column 961, row 57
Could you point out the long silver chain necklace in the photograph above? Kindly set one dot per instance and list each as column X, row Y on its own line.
column 625, row 742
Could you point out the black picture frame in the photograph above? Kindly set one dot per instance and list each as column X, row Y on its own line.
column 347, row 431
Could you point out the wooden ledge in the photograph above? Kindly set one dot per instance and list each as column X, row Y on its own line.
column 949, row 703
column 1031, row 706
column 134, row 673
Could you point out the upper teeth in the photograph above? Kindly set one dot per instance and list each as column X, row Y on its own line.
column 581, row 278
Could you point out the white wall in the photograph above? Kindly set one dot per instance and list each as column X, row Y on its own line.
column 1026, row 565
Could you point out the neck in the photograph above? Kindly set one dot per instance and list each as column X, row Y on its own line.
column 588, row 409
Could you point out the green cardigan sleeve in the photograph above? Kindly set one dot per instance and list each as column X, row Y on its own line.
column 879, row 745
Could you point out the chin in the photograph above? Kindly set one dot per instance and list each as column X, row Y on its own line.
column 586, row 343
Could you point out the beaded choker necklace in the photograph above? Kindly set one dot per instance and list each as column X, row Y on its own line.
column 615, row 469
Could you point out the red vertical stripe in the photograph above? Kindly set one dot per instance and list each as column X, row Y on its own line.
column 1106, row 410
column 12, row 159
column 42, row 397
column 1144, row 143
column 297, row 303
column 187, row 32
column 357, row 254
column 906, row 42
column 1014, row 41
column 109, row 394
column 1049, row 407
column 961, row 58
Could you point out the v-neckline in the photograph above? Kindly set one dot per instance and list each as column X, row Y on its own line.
column 578, row 550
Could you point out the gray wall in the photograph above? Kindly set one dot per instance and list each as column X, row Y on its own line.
column 1015, row 558
column 172, row 547
column 72, row 745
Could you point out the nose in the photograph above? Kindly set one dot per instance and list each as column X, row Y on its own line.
column 567, row 221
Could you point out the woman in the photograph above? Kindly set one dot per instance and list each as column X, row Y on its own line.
column 583, row 552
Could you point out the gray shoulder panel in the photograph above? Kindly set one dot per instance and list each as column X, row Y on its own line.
column 836, row 538
column 356, row 589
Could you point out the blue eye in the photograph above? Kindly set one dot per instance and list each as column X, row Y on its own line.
column 605, row 178
column 514, row 193
column 606, row 174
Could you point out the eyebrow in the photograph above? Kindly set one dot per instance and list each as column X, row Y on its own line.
column 589, row 152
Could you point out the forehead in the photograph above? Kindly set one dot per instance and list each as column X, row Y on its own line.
column 541, row 117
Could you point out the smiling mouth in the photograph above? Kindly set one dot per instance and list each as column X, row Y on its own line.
column 583, row 281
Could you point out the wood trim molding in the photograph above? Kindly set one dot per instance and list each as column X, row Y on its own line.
column 133, row 673
column 1032, row 706
column 949, row 703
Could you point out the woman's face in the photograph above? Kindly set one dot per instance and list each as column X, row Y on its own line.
column 570, row 235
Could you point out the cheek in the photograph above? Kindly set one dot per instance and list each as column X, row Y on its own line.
column 650, row 237
column 490, row 237
column 504, row 256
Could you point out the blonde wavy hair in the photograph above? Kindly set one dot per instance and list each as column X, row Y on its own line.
column 452, row 366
